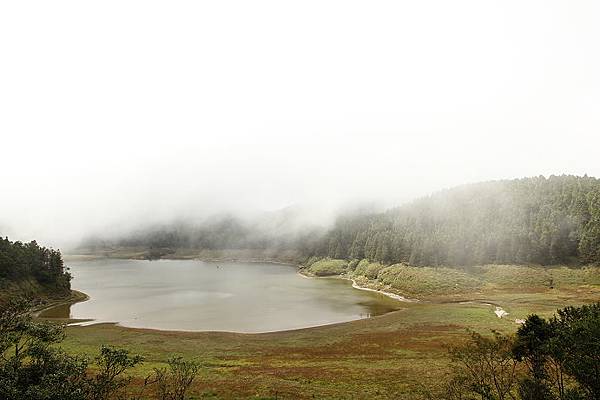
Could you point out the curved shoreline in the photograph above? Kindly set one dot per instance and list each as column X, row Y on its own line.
column 75, row 297
column 388, row 294
column 357, row 286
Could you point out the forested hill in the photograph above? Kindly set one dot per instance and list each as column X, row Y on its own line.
column 274, row 234
column 29, row 267
column 533, row 220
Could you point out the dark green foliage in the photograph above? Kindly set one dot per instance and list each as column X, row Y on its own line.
column 589, row 245
column 485, row 367
column 534, row 220
column 111, row 363
column 32, row 368
column 534, row 345
column 21, row 261
column 173, row 382
column 562, row 354
column 556, row 359
column 534, row 389
column 29, row 367
column 577, row 345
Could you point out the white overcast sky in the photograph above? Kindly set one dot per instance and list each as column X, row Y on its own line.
column 114, row 113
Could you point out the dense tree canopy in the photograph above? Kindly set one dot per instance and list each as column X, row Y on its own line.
column 22, row 261
column 533, row 220
column 554, row 359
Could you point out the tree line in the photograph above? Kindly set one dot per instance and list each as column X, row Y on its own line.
column 533, row 220
column 523, row 221
column 219, row 233
column 21, row 261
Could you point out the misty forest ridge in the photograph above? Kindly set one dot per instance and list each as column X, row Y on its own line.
column 539, row 220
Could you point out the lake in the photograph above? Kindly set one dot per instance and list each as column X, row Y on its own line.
column 194, row 295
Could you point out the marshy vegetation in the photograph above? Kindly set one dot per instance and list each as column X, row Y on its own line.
column 424, row 282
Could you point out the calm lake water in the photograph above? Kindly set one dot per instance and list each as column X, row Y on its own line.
column 205, row 296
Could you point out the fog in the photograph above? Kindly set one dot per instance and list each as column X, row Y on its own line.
column 115, row 115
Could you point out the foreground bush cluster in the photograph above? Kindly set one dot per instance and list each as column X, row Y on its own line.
column 33, row 368
column 556, row 359
column 537, row 220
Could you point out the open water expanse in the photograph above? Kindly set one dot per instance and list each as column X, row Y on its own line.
column 206, row 296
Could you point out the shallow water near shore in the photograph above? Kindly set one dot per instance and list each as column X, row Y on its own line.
column 194, row 295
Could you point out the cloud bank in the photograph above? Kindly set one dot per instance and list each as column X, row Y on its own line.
column 119, row 114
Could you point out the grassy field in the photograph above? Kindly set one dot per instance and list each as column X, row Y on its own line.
column 442, row 282
column 395, row 356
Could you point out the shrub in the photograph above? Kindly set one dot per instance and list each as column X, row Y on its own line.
column 327, row 267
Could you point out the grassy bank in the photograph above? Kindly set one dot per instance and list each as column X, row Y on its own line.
column 389, row 357
column 397, row 355
column 438, row 283
column 31, row 288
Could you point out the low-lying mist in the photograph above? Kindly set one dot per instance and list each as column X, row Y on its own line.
column 242, row 110
column 536, row 220
column 268, row 230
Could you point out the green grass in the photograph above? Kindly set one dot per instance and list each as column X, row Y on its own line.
column 393, row 356
column 433, row 282
column 387, row 357
column 527, row 276
column 424, row 281
column 30, row 288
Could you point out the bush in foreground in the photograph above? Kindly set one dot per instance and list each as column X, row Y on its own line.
column 328, row 267
column 556, row 359
column 32, row 368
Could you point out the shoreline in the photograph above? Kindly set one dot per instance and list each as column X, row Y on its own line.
column 78, row 296
column 355, row 285
column 92, row 322
column 75, row 297
column 388, row 294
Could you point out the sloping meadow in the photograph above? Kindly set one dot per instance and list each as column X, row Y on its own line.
column 421, row 282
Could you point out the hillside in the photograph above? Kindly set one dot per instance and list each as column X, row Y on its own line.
column 32, row 270
column 546, row 221
column 538, row 220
